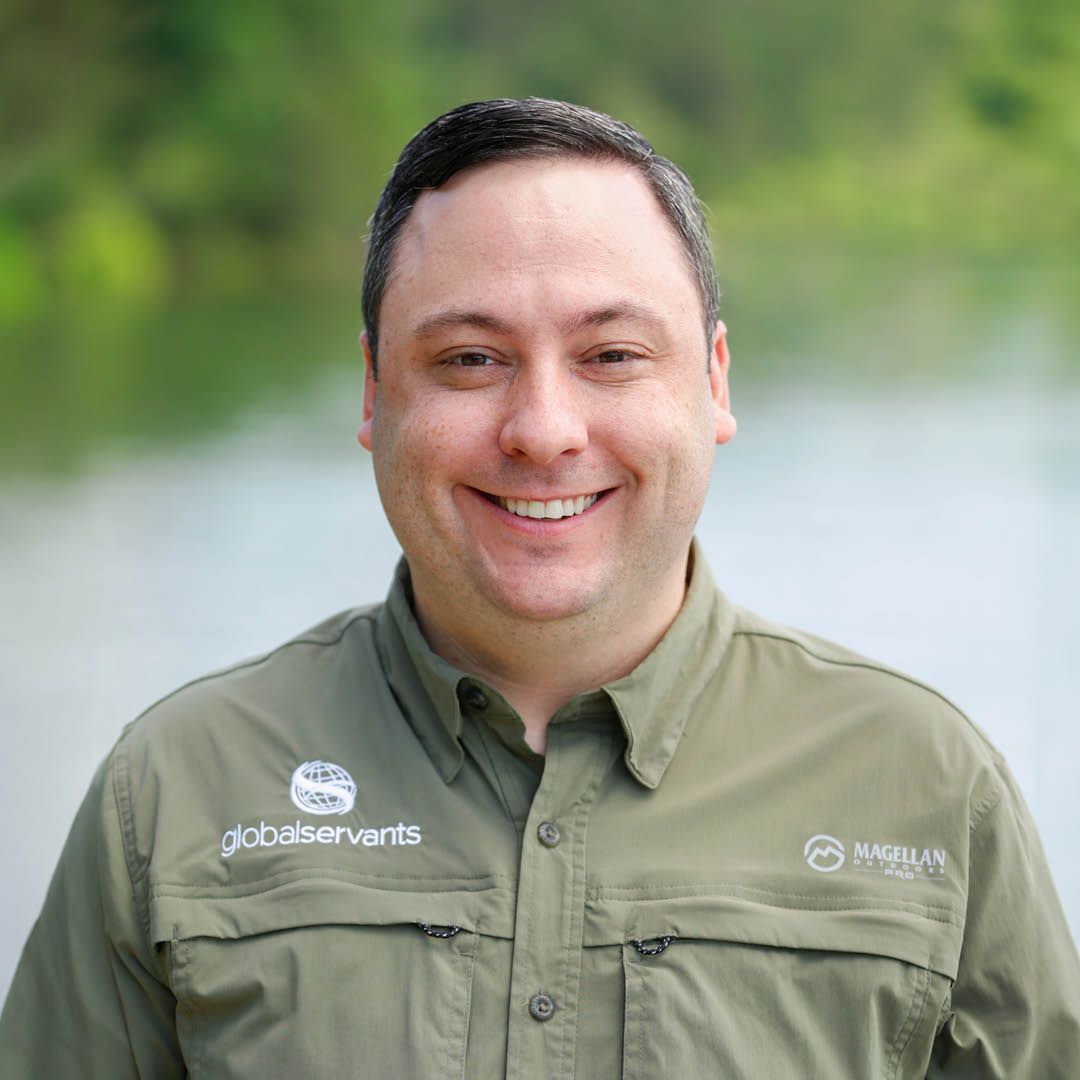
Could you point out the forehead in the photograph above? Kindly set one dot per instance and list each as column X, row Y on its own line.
column 532, row 224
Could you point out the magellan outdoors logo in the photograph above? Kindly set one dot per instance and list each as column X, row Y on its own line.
column 322, row 788
column 824, row 853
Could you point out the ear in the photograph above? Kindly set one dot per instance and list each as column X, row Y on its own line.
column 363, row 436
column 719, row 362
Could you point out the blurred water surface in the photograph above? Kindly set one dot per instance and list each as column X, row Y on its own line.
column 930, row 521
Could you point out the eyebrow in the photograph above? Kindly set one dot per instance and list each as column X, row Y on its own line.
column 448, row 320
column 482, row 320
column 623, row 311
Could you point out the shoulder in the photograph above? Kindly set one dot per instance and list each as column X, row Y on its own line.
column 871, row 714
column 335, row 651
column 215, row 744
column 805, row 661
column 303, row 655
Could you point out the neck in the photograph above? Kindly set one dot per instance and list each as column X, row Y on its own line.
column 538, row 666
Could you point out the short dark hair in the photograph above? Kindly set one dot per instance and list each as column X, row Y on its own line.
column 503, row 128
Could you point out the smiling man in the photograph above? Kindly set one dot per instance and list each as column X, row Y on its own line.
column 549, row 392
column 557, row 807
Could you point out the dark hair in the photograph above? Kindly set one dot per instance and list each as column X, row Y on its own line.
column 486, row 131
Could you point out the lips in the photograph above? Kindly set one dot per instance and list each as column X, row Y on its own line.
column 546, row 509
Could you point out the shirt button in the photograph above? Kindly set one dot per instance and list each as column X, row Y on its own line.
column 474, row 697
column 549, row 834
column 541, row 1007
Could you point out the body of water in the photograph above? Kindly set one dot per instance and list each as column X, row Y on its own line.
column 933, row 525
column 183, row 489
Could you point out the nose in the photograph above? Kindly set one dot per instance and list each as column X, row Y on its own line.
column 545, row 416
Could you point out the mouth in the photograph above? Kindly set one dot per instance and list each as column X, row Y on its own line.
column 546, row 509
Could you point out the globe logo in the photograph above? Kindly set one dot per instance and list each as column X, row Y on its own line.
column 321, row 787
column 824, row 853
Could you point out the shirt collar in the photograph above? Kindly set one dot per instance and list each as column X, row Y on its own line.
column 652, row 702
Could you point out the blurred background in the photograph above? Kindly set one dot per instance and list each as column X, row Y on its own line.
column 895, row 199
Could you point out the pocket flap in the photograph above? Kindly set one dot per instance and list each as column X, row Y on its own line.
column 242, row 911
column 927, row 937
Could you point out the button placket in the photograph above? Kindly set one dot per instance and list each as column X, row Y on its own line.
column 551, row 896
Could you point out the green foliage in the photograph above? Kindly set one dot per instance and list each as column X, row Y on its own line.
column 155, row 149
column 107, row 247
column 159, row 157
column 22, row 288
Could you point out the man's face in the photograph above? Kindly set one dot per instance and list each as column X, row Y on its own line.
column 546, row 409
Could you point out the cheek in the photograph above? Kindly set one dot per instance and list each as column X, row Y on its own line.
column 420, row 452
column 681, row 457
column 409, row 430
column 669, row 436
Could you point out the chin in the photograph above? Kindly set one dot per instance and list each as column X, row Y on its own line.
column 545, row 601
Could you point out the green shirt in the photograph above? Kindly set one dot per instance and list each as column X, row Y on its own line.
column 757, row 855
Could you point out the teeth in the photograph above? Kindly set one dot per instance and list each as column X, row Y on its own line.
column 552, row 510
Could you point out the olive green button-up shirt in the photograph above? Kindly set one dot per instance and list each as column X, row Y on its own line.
column 757, row 855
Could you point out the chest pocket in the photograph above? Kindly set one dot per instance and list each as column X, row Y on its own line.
column 725, row 986
column 318, row 976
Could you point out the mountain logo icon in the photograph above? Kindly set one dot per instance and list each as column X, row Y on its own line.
column 824, row 853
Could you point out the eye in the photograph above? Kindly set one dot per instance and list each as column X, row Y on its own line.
column 467, row 360
column 614, row 356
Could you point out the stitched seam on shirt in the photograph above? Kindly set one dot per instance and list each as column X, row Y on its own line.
column 263, row 885
column 839, row 903
column 552, row 762
column 642, row 1027
column 881, row 669
column 633, row 1019
column 182, row 961
column 515, row 1062
column 569, row 1043
column 126, row 819
column 911, row 1022
column 579, row 839
column 482, row 736
column 983, row 808
column 460, row 1052
column 255, row 661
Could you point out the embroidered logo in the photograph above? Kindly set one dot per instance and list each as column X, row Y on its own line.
column 321, row 787
column 900, row 861
column 318, row 787
column 824, row 853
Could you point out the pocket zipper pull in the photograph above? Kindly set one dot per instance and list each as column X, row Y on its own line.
column 439, row 931
column 653, row 946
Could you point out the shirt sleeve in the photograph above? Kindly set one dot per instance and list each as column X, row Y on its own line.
column 1015, row 1008
column 89, row 997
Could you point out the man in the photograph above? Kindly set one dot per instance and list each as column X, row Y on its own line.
column 556, row 808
